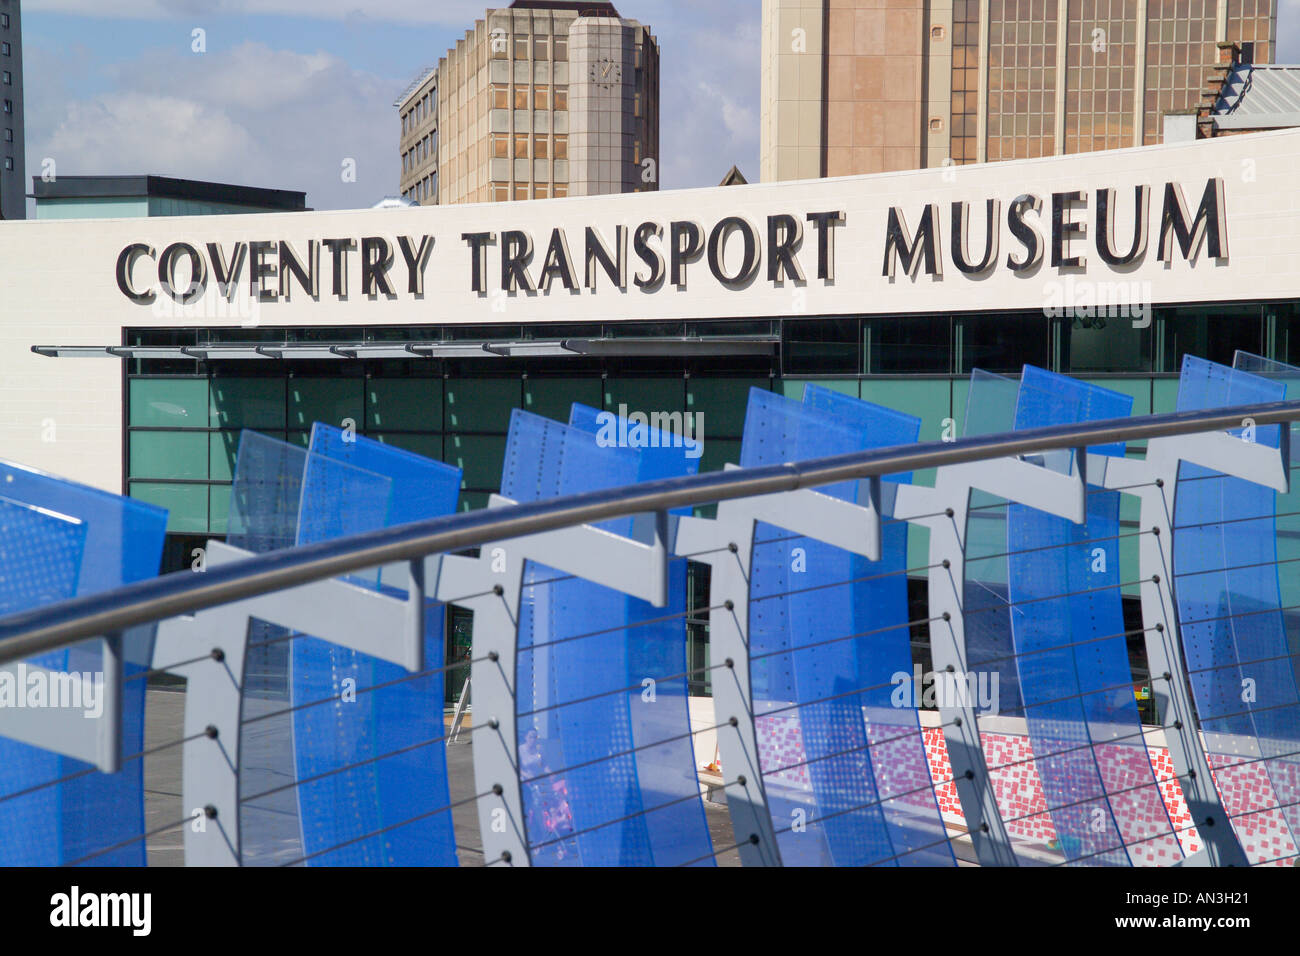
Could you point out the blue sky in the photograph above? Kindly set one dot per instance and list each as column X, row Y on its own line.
column 288, row 90
column 283, row 96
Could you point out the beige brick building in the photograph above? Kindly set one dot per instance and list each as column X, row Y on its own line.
column 865, row 86
column 542, row 99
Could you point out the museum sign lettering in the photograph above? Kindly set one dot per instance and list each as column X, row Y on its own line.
column 736, row 252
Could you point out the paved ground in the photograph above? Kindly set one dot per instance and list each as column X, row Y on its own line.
column 269, row 745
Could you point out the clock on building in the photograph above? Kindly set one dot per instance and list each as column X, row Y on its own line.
column 606, row 73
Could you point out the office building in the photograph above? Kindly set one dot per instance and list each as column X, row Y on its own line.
column 13, row 203
column 864, row 86
column 541, row 99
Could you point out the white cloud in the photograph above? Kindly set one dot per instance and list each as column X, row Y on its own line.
column 709, row 78
column 146, row 133
column 251, row 116
column 450, row 12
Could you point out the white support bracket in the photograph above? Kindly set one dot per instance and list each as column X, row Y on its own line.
column 726, row 544
column 491, row 586
column 214, row 645
column 1154, row 482
column 79, row 714
column 944, row 509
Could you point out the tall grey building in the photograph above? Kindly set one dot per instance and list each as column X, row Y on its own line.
column 13, row 201
column 542, row 99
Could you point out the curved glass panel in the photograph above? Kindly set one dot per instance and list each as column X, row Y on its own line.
column 119, row 541
column 282, row 495
column 602, row 676
column 990, row 648
column 390, row 738
column 829, row 644
column 1232, row 621
column 1067, row 621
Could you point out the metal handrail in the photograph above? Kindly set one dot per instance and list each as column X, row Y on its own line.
column 58, row 625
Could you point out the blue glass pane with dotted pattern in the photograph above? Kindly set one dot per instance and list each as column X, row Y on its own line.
column 267, row 499
column 390, row 738
column 827, row 635
column 1231, row 615
column 121, row 542
column 596, row 786
column 1068, row 630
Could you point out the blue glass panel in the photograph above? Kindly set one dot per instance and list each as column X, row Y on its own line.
column 1068, row 627
column 990, row 409
column 990, row 404
column 656, row 650
column 41, row 556
column 267, row 498
column 826, row 645
column 880, row 653
column 121, row 542
column 598, row 790
column 1230, row 608
column 405, row 719
column 264, row 499
column 265, row 494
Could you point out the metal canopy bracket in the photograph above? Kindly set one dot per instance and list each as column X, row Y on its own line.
column 630, row 346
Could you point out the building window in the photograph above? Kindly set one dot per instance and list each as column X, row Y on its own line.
column 541, row 48
column 541, row 191
column 822, row 346
column 500, row 147
column 561, row 49
column 561, row 97
column 561, row 190
column 521, row 97
column 561, row 147
column 4, row 20
column 521, row 46
column 8, row 78
column 907, row 344
column 521, row 146
column 5, row 48
column 501, row 193
column 9, row 106
column 1003, row 342
column 500, row 97
column 9, row 135
column 9, row 162
column 540, row 150
column 541, row 97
